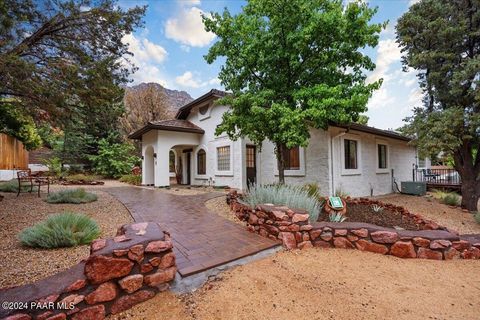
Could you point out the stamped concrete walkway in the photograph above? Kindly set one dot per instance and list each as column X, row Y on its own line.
column 202, row 239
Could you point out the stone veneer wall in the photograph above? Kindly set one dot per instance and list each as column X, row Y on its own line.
column 293, row 228
column 119, row 273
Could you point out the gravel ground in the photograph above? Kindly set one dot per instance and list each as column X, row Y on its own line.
column 328, row 284
column 219, row 206
column 20, row 265
column 431, row 208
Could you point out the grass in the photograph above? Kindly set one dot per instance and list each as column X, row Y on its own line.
column 448, row 198
column 71, row 196
column 131, row 179
column 476, row 216
column 12, row 186
column 62, row 230
column 312, row 189
column 290, row 196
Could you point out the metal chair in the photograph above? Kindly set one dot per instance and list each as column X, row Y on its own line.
column 37, row 180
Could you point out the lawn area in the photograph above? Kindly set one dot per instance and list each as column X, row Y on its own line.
column 431, row 208
column 328, row 284
column 22, row 265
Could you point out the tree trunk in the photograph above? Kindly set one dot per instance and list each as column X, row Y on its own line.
column 280, row 162
column 469, row 169
column 470, row 193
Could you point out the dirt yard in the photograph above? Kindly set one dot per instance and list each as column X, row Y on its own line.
column 431, row 208
column 20, row 265
column 328, row 284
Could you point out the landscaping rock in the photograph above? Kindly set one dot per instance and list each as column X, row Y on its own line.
column 158, row 246
column 120, row 253
column 451, row 253
column 321, row 244
column 126, row 302
column 160, row 277
column 99, row 269
column 79, row 284
column 440, row 244
column 252, row 219
column 73, row 299
column 341, row 242
column 460, row 245
column 403, row 249
column 58, row 316
column 105, row 292
column 300, row 217
column 18, row 316
column 98, row 244
column 314, row 234
column 425, row 253
column 305, row 245
column 365, row 245
column 146, row 267
column 306, row 227
column 421, row 242
column 326, row 236
column 155, row 261
column 280, row 215
column 131, row 283
column 90, row 313
column 136, row 253
column 384, row 236
column 288, row 239
column 341, row 232
column 362, row 233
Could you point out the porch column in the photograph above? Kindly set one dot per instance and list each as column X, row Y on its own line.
column 162, row 167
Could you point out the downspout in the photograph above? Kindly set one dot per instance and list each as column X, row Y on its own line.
column 332, row 173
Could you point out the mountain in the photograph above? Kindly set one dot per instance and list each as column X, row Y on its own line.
column 150, row 102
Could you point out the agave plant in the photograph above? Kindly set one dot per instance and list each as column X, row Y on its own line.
column 377, row 208
column 336, row 217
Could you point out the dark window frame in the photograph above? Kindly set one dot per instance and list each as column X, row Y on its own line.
column 382, row 156
column 201, row 162
column 350, row 151
column 291, row 158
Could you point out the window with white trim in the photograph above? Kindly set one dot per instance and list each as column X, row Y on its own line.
column 201, row 162
column 382, row 156
column 351, row 154
column 291, row 158
column 223, row 158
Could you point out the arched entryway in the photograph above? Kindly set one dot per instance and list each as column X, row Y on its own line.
column 149, row 166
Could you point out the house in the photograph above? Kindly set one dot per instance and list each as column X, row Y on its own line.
column 356, row 159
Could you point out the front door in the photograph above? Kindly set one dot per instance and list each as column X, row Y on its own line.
column 251, row 165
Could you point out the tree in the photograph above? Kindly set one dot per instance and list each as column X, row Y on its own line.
column 19, row 125
column 363, row 119
column 144, row 104
column 50, row 51
column 292, row 65
column 441, row 41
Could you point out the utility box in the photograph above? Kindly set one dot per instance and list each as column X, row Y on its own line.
column 414, row 187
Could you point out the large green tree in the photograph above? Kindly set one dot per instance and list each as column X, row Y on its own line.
column 292, row 65
column 441, row 40
column 51, row 50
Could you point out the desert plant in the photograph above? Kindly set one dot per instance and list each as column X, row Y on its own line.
column 61, row 230
column 82, row 177
column 291, row 196
column 12, row 186
column 131, row 179
column 336, row 217
column 438, row 194
column 340, row 193
column 377, row 208
column 451, row 199
column 476, row 216
column 312, row 189
column 71, row 196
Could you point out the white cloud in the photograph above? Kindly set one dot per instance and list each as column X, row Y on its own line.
column 388, row 52
column 412, row 2
column 189, row 80
column 189, row 2
column 146, row 57
column 187, row 28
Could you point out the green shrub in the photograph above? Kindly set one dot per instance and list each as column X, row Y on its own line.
column 313, row 189
column 451, row 199
column 476, row 216
column 12, row 186
column 336, row 217
column 114, row 159
column 340, row 193
column 71, row 196
column 54, row 165
column 291, row 196
column 61, row 230
column 438, row 194
column 131, row 179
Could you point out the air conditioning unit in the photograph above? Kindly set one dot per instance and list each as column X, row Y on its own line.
column 414, row 187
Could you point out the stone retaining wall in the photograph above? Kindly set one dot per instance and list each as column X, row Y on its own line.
column 293, row 228
column 119, row 273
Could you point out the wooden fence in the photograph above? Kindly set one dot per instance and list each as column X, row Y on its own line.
column 13, row 154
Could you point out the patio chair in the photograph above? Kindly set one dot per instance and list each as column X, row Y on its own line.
column 429, row 175
column 33, row 179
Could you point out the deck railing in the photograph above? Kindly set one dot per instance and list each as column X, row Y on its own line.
column 441, row 177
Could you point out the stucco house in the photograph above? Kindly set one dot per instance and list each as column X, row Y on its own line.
column 356, row 159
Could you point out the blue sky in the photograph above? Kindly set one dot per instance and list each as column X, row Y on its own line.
column 170, row 50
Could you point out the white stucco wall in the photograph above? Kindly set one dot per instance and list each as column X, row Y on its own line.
column 314, row 166
column 210, row 142
column 368, row 179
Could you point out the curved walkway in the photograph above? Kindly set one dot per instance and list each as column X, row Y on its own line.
column 202, row 239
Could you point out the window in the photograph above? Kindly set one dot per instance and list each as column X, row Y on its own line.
column 171, row 161
column 351, row 156
column 292, row 158
column 203, row 109
column 201, row 162
column 382, row 156
column 223, row 158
